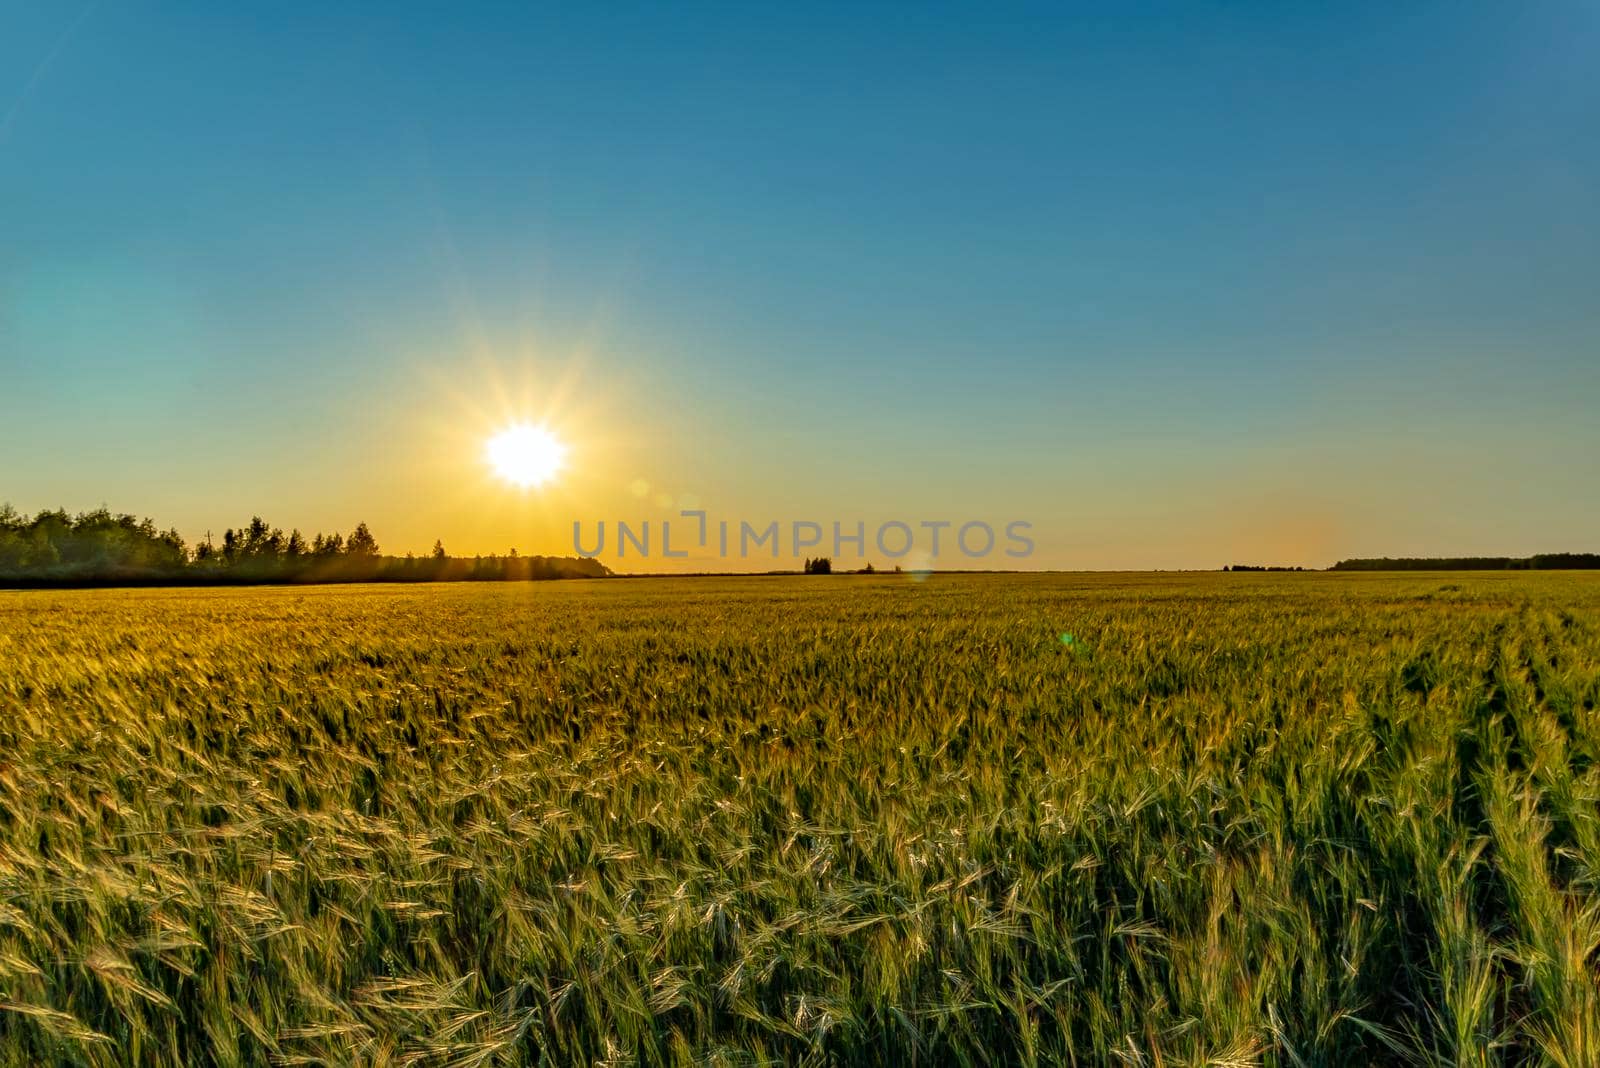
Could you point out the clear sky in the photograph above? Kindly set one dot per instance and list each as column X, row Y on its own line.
column 1189, row 285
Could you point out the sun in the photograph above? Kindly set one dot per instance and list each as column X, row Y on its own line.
column 526, row 455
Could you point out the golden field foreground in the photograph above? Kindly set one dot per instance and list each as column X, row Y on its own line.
column 1316, row 819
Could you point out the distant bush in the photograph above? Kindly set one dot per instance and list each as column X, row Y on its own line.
column 1540, row 562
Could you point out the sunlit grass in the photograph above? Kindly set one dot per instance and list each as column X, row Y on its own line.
column 1272, row 820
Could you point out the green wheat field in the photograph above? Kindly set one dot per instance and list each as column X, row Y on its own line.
column 1154, row 820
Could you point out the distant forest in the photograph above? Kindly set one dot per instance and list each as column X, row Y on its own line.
column 1541, row 562
column 101, row 549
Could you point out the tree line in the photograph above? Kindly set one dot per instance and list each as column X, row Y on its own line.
column 1539, row 562
column 96, row 548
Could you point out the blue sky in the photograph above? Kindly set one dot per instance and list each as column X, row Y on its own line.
column 1182, row 285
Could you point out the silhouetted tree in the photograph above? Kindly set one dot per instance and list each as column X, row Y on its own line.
column 361, row 542
column 255, row 539
column 98, row 547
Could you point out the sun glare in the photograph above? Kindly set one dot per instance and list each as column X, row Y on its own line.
column 526, row 455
